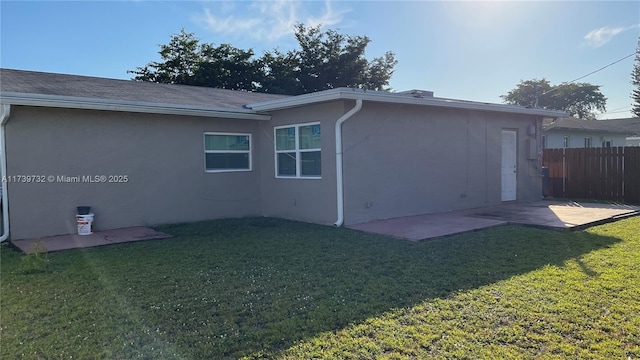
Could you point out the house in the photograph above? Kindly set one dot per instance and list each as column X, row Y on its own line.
column 570, row 132
column 145, row 154
column 630, row 124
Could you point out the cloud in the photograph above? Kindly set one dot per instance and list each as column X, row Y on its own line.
column 598, row 37
column 267, row 20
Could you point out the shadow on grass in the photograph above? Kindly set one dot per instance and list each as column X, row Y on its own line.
column 255, row 287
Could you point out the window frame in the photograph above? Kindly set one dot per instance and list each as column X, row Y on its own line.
column 249, row 152
column 587, row 142
column 297, row 151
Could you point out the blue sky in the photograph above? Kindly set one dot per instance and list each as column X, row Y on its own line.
column 464, row 50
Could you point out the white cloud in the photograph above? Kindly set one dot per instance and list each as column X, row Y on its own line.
column 598, row 37
column 267, row 20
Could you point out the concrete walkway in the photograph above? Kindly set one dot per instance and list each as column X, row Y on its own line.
column 99, row 238
column 556, row 215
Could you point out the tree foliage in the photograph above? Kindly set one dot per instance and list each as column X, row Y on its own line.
column 635, row 80
column 580, row 100
column 323, row 60
column 187, row 62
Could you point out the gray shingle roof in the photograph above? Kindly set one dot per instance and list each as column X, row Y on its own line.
column 32, row 82
column 586, row 125
column 630, row 124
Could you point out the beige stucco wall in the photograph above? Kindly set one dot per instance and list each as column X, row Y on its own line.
column 406, row 160
column 161, row 155
column 311, row 200
column 399, row 160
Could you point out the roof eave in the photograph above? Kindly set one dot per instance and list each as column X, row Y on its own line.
column 609, row 131
column 68, row 102
column 352, row 94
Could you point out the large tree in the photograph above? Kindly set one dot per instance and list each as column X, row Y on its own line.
column 581, row 100
column 324, row 60
column 185, row 61
column 635, row 80
column 329, row 59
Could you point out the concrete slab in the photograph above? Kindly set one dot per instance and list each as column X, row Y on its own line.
column 556, row 215
column 422, row 227
column 99, row 238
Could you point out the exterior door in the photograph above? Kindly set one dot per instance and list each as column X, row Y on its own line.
column 509, row 165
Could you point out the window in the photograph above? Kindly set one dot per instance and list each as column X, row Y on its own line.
column 606, row 143
column 227, row 152
column 544, row 141
column 587, row 142
column 565, row 143
column 298, row 151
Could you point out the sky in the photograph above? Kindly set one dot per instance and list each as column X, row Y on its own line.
column 474, row 50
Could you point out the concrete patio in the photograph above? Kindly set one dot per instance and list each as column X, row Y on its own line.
column 548, row 214
column 99, row 238
column 554, row 215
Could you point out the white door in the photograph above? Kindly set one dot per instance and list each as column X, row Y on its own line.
column 509, row 165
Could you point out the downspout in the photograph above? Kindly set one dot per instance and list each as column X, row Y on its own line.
column 5, row 111
column 339, row 177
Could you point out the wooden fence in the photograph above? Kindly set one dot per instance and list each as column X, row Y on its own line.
column 597, row 173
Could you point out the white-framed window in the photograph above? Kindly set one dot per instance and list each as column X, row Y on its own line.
column 587, row 142
column 606, row 143
column 544, row 141
column 565, row 142
column 224, row 152
column 298, row 151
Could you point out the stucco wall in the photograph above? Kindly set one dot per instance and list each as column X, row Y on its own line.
column 399, row 160
column 161, row 155
column 311, row 200
column 407, row 160
column 555, row 139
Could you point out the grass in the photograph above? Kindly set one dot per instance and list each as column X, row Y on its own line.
column 270, row 288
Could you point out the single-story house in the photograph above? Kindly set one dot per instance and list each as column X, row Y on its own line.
column 630, row 124
column 144, row 154
column 570, row 132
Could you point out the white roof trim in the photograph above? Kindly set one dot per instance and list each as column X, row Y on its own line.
column 71, row 102
column 380, row 96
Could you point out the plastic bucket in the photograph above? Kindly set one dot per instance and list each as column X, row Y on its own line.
column 85, row 224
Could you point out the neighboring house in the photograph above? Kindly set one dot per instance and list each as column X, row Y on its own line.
column 576, row 133
column 630, row 124
column 145, row 153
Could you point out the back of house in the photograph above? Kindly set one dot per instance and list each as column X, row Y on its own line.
column 145, row 154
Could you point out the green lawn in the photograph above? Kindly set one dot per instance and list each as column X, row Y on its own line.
column 269, row 288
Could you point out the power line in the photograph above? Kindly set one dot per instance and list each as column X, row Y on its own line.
column 591, row 73
column 613, row 112
column 622, row 108
column 602, row 68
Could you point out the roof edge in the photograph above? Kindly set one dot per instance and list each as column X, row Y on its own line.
column 559, row 125
column 380, row 96
column 70, row 102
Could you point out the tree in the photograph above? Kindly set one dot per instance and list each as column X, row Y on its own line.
column 277, row 73
column 635, row 80
column 226, row 67
column 181, row 60
column 577, row 99
column 187, row 62
column 327, row 60
column 324, row 60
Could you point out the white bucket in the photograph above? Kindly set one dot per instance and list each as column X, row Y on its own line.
column 85, row 224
